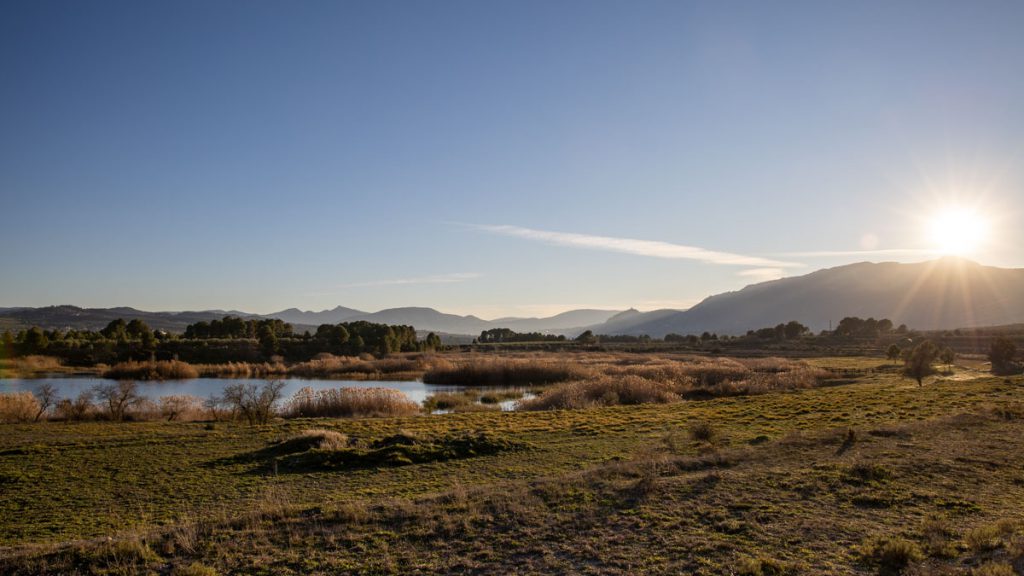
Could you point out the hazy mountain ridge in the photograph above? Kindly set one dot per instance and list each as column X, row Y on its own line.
column 940, row 294
column 423, row 319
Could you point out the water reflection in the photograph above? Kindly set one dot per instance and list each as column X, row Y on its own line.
column 70, row 387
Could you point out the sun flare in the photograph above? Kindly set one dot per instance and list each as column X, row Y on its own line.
column 958, row 231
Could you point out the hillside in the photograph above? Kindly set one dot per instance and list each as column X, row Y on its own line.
column 423, row 319
column 940, row 294
column 72, row 317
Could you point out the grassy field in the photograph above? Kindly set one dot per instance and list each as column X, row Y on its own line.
column 872, row 476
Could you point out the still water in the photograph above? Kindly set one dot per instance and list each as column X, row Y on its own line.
column 69, row 387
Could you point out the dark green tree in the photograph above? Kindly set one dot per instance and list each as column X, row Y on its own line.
column 894, row 352
column 947, row 356
column 35, row 341
column 1001, row 352
column 268, row 340
column 116, row 330
column 432, row 342
column 794, row 330
column 918, row 363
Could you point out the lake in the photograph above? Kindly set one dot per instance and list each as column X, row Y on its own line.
column 69, row 387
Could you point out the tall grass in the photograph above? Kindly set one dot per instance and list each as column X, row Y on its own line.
column 152, row 370
column 349, row 403
column 328, row 365
column 18, row 407
column 506, row 373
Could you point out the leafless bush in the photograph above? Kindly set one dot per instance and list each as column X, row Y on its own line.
column 180, row 407
column 256, row 404
column 81, row 408
column 46, row 397
column 119, row 398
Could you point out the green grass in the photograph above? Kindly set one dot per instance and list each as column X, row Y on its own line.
column 780, row 484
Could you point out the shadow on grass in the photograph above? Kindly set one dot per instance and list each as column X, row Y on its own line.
column 303, row 454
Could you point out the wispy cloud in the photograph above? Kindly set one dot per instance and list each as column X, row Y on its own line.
column 433, row 279
column 762, row 274
column 882, row 252
column 651, row 248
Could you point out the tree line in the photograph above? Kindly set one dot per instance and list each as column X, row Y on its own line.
column 230, row 339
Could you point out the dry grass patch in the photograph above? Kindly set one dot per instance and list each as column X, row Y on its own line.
column 602, row 392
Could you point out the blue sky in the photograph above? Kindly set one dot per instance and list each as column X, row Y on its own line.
column 496, row 158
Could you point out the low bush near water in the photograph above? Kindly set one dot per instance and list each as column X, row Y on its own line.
column 152, row 370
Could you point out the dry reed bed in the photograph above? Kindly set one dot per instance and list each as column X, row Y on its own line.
column 152, row 370
column 349, row 403
column 323, row 366
column 662, row 381
column 27, row 366
column 507, row 372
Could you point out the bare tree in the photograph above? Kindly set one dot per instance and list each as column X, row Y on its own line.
column 256, row 404
column 77, row 409
column 173, row 407
column 46, row 395
column 119, row 397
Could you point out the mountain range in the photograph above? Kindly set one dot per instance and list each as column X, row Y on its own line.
column 940, row 294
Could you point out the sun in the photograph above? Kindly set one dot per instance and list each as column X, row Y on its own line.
column 957, row 231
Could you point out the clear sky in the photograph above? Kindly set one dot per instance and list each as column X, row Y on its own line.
column 496, row 158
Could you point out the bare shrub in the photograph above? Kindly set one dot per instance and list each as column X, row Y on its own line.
column 349, row 402
column 896, row 553
column 46, row 397
column 989, row 536
column 256, row 404
column 602, row 392
column 81, row 408
column 18, row 407
column 703, row 431
column 118, row 398
column 180, row 407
